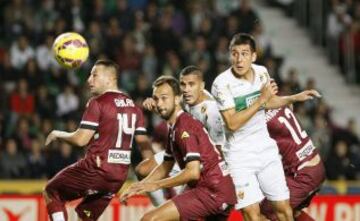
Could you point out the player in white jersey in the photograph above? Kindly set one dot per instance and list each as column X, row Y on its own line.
column 242, row 92
column 201, row 105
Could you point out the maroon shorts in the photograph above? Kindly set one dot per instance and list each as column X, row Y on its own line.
column 201, row 202
column 80, row 180
column 303, row 186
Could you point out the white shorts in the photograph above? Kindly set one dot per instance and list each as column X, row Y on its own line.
column 257, row 175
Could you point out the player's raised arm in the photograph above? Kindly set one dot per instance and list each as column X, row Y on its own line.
column 234, row 119
column 281, row 101
column 80, row 137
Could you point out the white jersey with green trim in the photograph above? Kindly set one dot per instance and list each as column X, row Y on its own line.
column 208, row 114
column 232, row 92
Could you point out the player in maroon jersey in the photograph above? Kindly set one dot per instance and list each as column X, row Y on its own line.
column 303, row 167
column 210, row 192
column 108, row 127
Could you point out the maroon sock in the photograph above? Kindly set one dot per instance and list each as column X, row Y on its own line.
column 54, row 207
column 304, row 217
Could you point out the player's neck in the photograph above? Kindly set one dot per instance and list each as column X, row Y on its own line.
column 112, row 89
column 172, row 119
column 201, row 98
column 249, row 75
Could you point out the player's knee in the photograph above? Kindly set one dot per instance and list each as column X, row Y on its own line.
column 251, row 214
column 141, row 171
column 285, row 213
column 150, row 217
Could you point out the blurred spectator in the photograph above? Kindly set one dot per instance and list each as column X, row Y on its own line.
column 21, row 101
column 321, row 136
column 222, row 51
column 172, row 65
column 12, row 162
column 44, row 55
column 18, row 17
column 149, row 63
column 21, row 52
column 36, row 161
column 60, row 159
column 67, row 102
column 22, row 134
column 246, row 16
column 337, row 21
column 339, row 165
column 45, row 105
column 32, row 74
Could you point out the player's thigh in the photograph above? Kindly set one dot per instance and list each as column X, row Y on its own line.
column 272, row 181
column 304, row 186
column 247, row 188
column 92, row 206
column 166, row 212
column 69, row 183
column 198, row 203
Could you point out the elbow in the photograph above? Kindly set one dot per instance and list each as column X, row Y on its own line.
column 195, row 175
column 231, row 127
column 81, row 142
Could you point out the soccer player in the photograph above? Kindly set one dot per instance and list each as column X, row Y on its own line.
column 210, row 189
column 304, row 169
column 108, row 127
column 201, row 105
column 242, row 92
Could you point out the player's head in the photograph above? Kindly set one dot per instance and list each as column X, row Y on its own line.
column 242, row 53
column 191, row 84
column 166, row 94
column 103, row 76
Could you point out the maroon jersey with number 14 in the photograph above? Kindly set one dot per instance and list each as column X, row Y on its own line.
column 116, row 120
column 295, row 146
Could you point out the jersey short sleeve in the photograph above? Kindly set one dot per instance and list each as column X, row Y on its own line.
column 222, row 95
column 140, row 123
column 91, row 116
column 214, row 125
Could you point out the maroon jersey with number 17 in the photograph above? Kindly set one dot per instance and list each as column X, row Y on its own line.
column 295, row 146
column 116, row 119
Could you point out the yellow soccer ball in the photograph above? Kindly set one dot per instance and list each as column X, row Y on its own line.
column 70, row 50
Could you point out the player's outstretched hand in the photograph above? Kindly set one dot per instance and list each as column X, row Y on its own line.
column 138, row 188
column 149, row 104
column 269, row 90
column 307, row 95
column 52, row 136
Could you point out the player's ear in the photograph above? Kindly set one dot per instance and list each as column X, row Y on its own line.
column 253, row 56
column 202, row 85
column 177, row 99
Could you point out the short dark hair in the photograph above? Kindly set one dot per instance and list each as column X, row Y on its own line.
column 191, row 69
column 170, row 80
column 109, row 64
column 241, row 39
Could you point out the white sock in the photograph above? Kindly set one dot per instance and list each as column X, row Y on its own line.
column 58, row 216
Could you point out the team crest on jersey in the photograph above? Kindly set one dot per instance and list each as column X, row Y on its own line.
column 263, row 78
column 185, row 135
column 87, row 213
column 203, row 109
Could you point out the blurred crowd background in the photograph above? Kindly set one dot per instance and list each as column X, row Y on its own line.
column 148, row 38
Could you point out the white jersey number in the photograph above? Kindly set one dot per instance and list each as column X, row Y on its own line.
column 295, row 134
column 125, row 128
